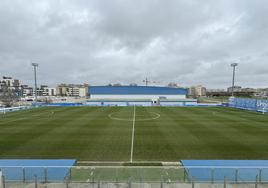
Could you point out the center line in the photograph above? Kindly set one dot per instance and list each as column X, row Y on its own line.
column 133, row 132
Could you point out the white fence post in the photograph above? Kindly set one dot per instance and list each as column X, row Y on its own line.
column 236, row 175
column 2, row 180
column 256, row 182
column 35, row 181
column 193, row 181
column 225, row 182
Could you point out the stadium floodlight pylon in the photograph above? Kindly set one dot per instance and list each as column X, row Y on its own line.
column 233, row 65
column 35, row 65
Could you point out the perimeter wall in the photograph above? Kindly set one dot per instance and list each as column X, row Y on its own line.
column 249, row 104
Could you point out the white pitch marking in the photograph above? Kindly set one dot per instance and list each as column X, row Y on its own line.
column 111, row 116
column 133, row 131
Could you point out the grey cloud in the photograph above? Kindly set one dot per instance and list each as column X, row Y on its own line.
column 99, row 41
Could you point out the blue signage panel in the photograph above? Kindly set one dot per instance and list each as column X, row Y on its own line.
column 249, row 104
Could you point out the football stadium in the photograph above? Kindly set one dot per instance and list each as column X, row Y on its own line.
column 135, row 135
column 133, row 94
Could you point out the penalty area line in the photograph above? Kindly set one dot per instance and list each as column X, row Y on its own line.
column 133, row 133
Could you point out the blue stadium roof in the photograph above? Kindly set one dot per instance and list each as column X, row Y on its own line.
column 135, row 90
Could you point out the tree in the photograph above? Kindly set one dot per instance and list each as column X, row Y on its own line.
column 7, row 96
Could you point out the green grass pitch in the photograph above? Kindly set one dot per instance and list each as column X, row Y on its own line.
column 160, row 133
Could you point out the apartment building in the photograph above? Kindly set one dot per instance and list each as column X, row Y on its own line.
column 197, row 91
column 11, row 84
column 72, row 90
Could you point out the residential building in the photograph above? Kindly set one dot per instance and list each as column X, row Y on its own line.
column 72, row 90
column 50, row 91
column 10, row 84
column 216, row 90
column 248, row 90
column 43, row 90
column 26, row 90
column 2, row 85
column 191, row 91
column 197, row 91
column 40, row 90
column 261, row 92
column 236, row 89
column 83, row 91
column 61, row 90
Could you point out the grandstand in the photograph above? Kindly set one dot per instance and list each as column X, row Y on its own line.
column 138, row 95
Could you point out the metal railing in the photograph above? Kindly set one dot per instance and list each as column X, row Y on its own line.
column 135, row 174
column 13, row 109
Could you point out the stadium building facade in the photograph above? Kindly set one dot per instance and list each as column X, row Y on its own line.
column 136, row 92
column 137, row 95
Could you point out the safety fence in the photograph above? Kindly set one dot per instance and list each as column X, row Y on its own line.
column 134, row 174
column 133, row 185
column 13, row 109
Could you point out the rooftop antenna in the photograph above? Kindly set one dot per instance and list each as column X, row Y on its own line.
column 147, row 81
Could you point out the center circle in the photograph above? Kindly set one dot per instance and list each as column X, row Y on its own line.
column 138, row 117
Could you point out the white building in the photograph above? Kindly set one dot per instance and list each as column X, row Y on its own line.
column 49, row 91
column 83, row 92
column 197, row 91
column 236, row 89
column 10, row 84
column 13, row 84
column 72, row 90
column 26, row 90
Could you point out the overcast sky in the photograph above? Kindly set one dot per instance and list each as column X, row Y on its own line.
column 109, row 41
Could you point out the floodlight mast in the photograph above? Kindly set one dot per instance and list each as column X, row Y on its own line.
column 35, row 65
column 233, row 65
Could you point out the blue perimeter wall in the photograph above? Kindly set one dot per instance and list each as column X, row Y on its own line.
column 249, row 104
column 135, row 90
column 56, row 170
column 215, row 170
column 125, row 104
